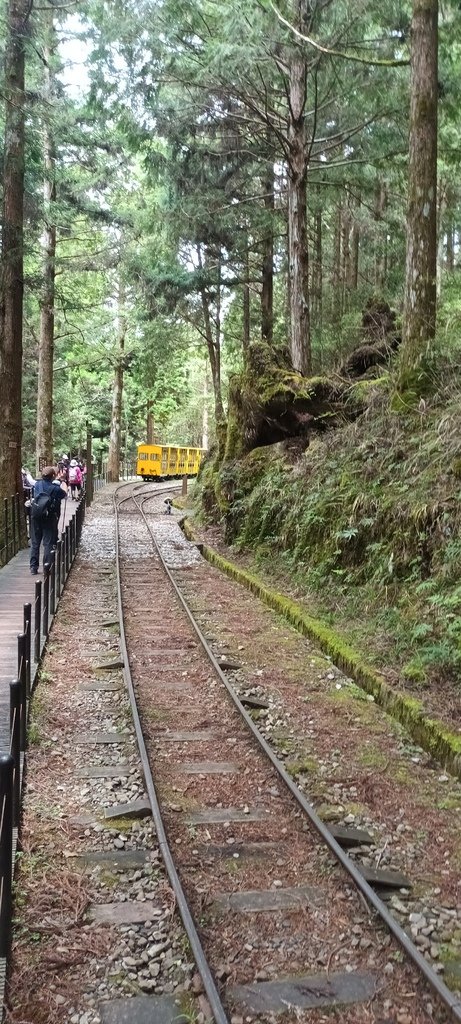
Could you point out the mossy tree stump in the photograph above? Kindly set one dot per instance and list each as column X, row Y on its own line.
column 270, row 402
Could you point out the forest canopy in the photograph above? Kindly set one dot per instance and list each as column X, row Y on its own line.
column 183, row 183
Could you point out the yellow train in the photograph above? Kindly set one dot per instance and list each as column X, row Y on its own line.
column 157, row 461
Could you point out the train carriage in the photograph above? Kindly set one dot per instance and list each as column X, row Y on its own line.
column 158, row 461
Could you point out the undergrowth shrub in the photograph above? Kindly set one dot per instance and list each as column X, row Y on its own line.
column 368, row 520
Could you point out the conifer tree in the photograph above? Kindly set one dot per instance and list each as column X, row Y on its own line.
column 11, row 266
column 44, row 429
column 421, row 258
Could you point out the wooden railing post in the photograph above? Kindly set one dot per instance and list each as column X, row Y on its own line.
column 22, row 680
column 6, row 851
column 28, row 643
column 15, row 746
column 37, row 620
column 46, row 599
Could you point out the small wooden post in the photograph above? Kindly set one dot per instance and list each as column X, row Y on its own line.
column 184, row 485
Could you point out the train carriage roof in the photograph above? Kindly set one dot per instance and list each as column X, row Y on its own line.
column 185, row 447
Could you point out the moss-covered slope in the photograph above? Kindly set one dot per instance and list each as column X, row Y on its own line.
column 366, row 522
column 432, row 734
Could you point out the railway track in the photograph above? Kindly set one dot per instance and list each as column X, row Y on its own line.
column 279, row 918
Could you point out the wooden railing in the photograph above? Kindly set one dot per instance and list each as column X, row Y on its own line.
column 37, row 621
column 12, row 527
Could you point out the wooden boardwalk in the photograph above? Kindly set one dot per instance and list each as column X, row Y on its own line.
column 17, row 587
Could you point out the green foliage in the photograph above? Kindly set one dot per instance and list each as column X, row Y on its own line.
column 165, row 161
column 368, row 520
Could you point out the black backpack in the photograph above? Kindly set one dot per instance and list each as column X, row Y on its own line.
column 43, row 505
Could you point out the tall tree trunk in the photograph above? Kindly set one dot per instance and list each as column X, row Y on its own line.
column 420, row 306
column 441, row 207
column 113, row 462
column 298, row 257
column 381, row 239
column 205, row 411
column 450, row 245
column 317, row 282
column 355, row 248
column 44, row 429
column 149, row 423
column 246, row 303
column 214, row 357
column 11, row 268
column 336, row 270
column 300, row 342
column 450, row 227
column 213, row 342
column 267, row 290
column 346, row 254
column 217, row 319
column 287, row 283
column 297, row 233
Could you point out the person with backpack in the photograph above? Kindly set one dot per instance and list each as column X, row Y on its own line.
column 63, row 469
column 44, row 516
column 75, row 479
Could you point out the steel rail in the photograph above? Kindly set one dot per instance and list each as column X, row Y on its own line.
column 452, row 1002
column 126, row 483
column 139, row 486
column 203, row 967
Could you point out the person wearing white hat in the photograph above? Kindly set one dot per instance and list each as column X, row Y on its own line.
column 75, row 479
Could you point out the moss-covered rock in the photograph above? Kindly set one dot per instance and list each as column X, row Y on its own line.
column 269, row 402
column 205, row 491
column 380, row 339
